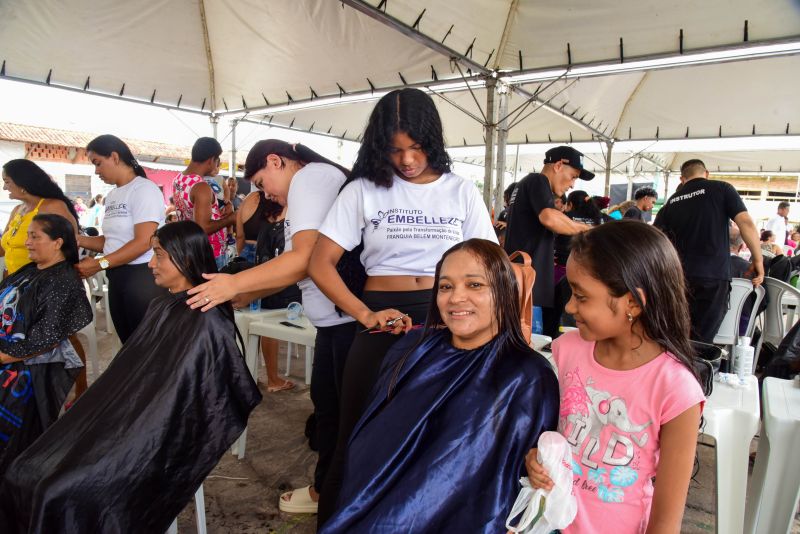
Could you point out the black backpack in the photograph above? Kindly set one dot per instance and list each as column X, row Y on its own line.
column 270, row 244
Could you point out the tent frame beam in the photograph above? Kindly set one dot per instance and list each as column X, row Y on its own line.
column 111, row 96
column 398, row 25
column 749, row 50
column 419, row 37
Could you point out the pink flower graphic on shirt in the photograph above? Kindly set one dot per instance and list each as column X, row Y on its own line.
column 574, row 399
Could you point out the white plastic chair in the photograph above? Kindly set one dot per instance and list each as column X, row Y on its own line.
column 728, row 333
column 99, row 288
column 199, row 511
column 774, row 325
column 751, row 324
column 90, row 333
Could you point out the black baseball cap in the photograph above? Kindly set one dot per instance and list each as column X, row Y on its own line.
column 571, row 157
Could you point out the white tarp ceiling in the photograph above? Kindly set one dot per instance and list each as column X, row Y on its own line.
column 225, row 54
column 727, row 99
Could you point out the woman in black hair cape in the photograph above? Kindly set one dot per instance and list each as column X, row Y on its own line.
column 129, row 455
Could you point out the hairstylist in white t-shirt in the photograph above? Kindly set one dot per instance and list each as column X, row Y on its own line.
column 305, row 183
column 134, row 209
column 408, row 209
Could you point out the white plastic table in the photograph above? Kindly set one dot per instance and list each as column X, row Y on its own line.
column 270, row 326
column 731, row 417
column 243, row 319
column 775, row 485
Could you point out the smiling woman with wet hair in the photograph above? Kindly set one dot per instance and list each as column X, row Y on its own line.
column 467, row 396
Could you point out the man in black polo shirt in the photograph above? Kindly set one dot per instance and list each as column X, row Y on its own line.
column 696, row 219
column 645, row 198
column 533, row 220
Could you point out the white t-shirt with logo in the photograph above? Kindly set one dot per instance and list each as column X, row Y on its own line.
column 136, row 202
column 408, row 227
column 311, row 194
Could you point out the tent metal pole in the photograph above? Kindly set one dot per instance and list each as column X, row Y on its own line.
column 630, row 174
column 502, row 136
column 234, row 123
column 489, row 129
column 666, row 184
column 609, row 148
column 209, row 57
column 516, row 165
column 214, row 122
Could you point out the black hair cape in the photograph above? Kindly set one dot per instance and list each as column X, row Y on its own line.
column 129, row 455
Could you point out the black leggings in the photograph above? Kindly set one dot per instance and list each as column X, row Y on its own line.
column 330, row 354
column 130, row 290
column 360, row 373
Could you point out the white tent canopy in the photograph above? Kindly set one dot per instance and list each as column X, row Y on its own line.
column 627, row 70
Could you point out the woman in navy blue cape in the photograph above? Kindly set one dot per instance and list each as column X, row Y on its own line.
column 442, row 444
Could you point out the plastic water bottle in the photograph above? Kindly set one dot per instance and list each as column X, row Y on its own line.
column 744, row 354
column 294, row 310
column 538, row 322
column 255, row 305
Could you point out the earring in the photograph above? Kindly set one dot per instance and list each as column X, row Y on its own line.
column 630, row 317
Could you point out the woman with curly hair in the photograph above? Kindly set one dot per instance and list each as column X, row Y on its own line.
column 407, row 209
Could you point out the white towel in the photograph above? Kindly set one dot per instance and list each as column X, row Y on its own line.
column 544, row 511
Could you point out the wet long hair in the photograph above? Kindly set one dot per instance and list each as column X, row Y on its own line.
column 32, row 178
column 584, row 207
column 58, row 227
column 257, row 157
column 628, row 256
column 191, row 253
column 106, row 144
column 188, row 248
column 505, row 296
column 412, row 112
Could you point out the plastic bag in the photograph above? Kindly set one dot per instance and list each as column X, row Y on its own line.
column 544, row 511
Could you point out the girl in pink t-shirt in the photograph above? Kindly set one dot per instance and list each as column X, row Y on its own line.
column 630, row 399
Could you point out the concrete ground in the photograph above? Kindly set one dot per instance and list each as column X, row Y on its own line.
column 241, row 496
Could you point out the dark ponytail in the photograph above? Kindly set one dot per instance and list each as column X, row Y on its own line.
column 58, row 227
column 257, row 157
column 584, row 207
column 32, row 178
column 106, row 144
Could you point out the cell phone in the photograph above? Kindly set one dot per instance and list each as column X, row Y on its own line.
column 287, row 323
